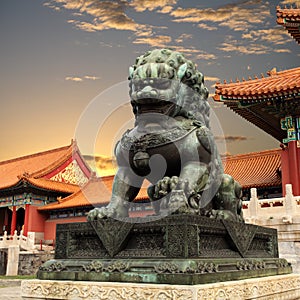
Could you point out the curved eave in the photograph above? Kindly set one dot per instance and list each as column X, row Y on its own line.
column 256, row 98
column 42, row 185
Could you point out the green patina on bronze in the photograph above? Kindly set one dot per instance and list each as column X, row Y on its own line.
column 169, row 101
column 197, row 234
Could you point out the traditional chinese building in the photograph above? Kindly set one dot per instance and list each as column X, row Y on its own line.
column 32, row 181
column 41, row 190
column 272, row 103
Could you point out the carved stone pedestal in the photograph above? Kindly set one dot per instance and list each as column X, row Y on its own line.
column 177, row 249
column 264, row 288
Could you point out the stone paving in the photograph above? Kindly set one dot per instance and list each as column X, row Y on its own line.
column 10, row 293
column 10, row 290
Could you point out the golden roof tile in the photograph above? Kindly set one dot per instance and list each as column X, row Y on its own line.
column 289, row 18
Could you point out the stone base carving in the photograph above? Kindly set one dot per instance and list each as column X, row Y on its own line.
column 265, row 288
column 178, row 249
column 164, row 271
column 175, row 236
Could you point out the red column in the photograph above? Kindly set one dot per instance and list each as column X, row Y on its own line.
column 26, row 221
column 13, row 226
column 6, row 219
column 294, row 167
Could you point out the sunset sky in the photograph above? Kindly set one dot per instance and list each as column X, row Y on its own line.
column 64, row 64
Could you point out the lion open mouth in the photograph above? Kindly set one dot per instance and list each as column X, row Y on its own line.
column 151, row 105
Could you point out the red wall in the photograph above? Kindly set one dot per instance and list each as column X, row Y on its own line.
column 50, row 226
column 36, row 220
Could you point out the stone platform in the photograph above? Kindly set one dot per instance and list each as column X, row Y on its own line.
column 177, row 249
column 280, row 287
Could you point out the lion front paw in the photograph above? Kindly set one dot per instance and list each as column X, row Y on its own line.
column 99, row 213
column 172, row 194
column 106, row 212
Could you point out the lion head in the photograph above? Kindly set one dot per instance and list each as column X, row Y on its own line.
column 165, row 81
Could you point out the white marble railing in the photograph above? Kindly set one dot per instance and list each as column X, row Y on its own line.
column 25, row 242
column 285, row 208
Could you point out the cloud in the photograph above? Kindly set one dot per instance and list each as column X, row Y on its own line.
column 237, row 16
column 81, row 78
column 232, row 138
column 91, row 77
column 225, row 154
column 103, row 165
column 106, row 15
column 240, row 46
column 252, row 43
column 282, row 50
column 183, row 37
column 191, row 51
column 166, row 9
column 249, row 49
column 50, row 5
column 142, row 5
column 206, row 56
column 73, row 78
column 276, row 36
column 207, row 27
column 210, row 78
column 157, row 41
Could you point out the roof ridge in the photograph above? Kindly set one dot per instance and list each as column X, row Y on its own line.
column 252, row 154
column 278, row 7
column 42, row 172
column 263, row 78
column 35, row 154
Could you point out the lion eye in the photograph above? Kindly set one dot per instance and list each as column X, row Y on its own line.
column 163, row 84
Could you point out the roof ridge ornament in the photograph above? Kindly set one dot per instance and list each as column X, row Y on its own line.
column 272, row 72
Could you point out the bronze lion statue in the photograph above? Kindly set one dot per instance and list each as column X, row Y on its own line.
column 171, row 144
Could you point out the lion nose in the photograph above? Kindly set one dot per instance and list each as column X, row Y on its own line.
column 147, row 92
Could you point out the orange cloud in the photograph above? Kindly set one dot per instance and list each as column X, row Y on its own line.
column 243, row 47
column 157, row 41
column 102, row 165
column 276, row 36
column 210, row 78
column 238, row 16
column 73, row 78
column 142, row 5
column 183, row 37
column 106, row 15
column 81, row 78
column 207, row 27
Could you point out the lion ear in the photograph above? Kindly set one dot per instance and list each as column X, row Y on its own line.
column 131, row 69
column 181, row 71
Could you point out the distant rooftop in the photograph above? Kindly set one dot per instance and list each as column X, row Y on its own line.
column 289, row 18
